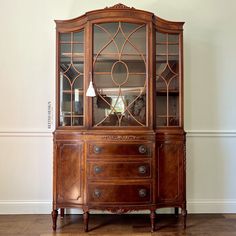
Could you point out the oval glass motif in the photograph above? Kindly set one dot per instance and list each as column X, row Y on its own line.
column 119, row 73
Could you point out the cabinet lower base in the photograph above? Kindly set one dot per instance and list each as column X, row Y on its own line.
column 119, row 211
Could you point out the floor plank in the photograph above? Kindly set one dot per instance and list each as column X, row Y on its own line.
column 119, row 225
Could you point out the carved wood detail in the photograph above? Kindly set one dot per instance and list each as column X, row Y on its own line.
column 123, row 137
column 119, row 210
column 119, row 6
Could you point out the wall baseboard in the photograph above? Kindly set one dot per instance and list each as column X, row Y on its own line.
column 211, row 133
column 45, row 207
column 25, row 207
column 212, row 206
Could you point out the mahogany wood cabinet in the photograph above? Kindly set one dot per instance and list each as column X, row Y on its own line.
column 122, row 148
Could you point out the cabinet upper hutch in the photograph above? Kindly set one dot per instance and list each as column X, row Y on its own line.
column 119, row 143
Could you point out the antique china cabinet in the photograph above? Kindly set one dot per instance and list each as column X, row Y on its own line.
column 123, row 148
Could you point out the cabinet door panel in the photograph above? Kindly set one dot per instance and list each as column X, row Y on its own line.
column 170, row 158
column 69, row 173
column 168, row 79
column 71, row 78
column 120, row 74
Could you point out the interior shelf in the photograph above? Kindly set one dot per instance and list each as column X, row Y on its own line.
column 72, row 91
column 167, row 43
column 73, row 116
column 124, row 91
column 73, row 55
column 167, row 54
column 164, row 92
column 123, row 56
column 71, row 42
column 167, row 61
column 169, row 116
column 109, row 73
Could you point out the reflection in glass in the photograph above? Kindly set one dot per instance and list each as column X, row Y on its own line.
column 119, row 74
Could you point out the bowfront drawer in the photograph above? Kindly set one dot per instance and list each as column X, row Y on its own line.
column 119, row 193
column 120, row 149
column 109, row 170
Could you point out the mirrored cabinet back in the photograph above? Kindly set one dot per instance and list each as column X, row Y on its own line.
column 120, row 146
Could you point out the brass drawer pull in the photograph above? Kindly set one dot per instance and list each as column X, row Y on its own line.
column 142, row 149
column 97, row 193
column 97, row 169
column 142, row 192
column 142, row 169
column 97, row 149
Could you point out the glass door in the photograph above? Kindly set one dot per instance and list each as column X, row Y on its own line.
column 167, row 80
column 71, row 79
column 119, row 74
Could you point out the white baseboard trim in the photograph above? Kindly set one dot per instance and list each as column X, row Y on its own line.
column 25, row 207
column 211, row 133
column 45, row 207
column 212, row 206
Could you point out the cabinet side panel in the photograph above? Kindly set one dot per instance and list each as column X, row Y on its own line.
column 170, row 172
column 69, row 173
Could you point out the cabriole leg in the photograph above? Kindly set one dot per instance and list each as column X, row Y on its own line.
column 86, row 220
column 54, row 219
column 176, row 211
column 184, row 216
column 62, row 212
column 152, row 218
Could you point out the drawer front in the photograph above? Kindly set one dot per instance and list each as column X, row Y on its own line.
column 119, row 193
column 120, row 149
column 109, row 170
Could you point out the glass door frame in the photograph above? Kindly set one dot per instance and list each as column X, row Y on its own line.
column 149, row 72
column 180, row 75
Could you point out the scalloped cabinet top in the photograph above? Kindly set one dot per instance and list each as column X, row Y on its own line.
column 119, row 11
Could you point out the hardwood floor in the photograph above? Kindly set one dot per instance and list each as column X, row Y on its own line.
column 122, row 225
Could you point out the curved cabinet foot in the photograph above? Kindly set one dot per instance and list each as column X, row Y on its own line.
column 54, row 219
column 62, row 212
column 184, row 216
column 152, row 218
column 86, row 220
column 176, row 211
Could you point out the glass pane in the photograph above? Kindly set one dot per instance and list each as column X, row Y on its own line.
column 78, row 49
column 78, row 100
column 167, row 79
column 66, row 37
column 173, row 49
column 72, row 79
column 119, row 74
column 78, row 37
column 173, row 110
column 173, row 38
column 161, row 106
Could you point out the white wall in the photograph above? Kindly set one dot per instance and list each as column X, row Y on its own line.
column 27, row 75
